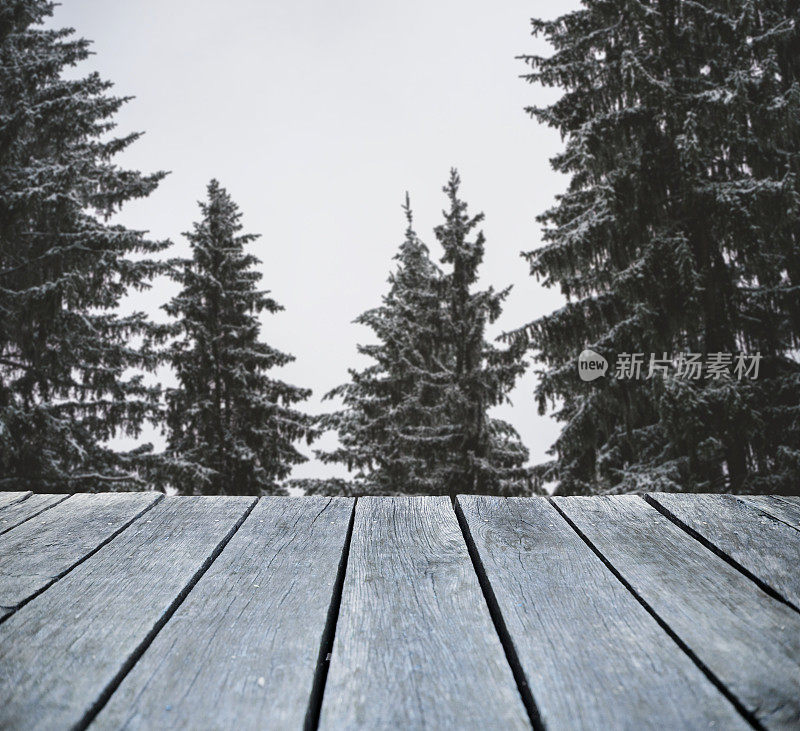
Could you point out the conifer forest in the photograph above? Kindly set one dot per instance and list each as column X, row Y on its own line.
column 668, row 358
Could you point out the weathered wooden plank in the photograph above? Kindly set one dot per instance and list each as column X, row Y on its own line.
column 766, row 548
column 19, row 512
column 40, row 550
column 62, row 653
column 593, row 657
column 747, row 639
column 777, row 507
column 9, row 498
column 243, row 648
column 415, row 645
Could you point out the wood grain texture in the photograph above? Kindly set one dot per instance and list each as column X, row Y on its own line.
column 778, row 507
column 14, row 515
column 767, row 548
column 748, row 640
column 9, row 498
column 60, row 652
column 258, row 612
column 415, row 645
column 593, row 657
column 41, row 549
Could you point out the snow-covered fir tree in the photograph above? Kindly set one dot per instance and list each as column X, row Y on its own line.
column 66, row 356
column 231, row 427
column 480, row 454
column 389, row 426
column 416, row 420
column 679, row 233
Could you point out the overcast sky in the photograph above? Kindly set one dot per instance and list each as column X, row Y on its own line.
column 317, row 117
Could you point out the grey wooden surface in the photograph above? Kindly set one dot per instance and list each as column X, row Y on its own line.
column 63, row 650
column 587, row 646
column 748, row 640
column 415, row 646
column 767, row 548
column 18, row 512
column 243, row 648
column 41, row 549
column 784, row 509
column 9, row 498
column 670, row 611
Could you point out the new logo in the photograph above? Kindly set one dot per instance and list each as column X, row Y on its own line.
column 591, row 365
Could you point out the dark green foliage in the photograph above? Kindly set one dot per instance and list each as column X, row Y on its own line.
column 230, row 426
column 679, row 232
column 415, row 421
column 65, row 355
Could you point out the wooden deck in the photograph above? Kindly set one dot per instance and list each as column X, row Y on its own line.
column 139, row 611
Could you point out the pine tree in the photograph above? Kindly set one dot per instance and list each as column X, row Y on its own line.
column 65, row 354
column 416, row 421
column 231, row 427
column 679, row 233
column 481, row 454
column 388, row 429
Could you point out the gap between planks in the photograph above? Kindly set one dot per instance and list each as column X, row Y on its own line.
column 499, row 623
column 508, row 644
column 415, row 642
column 740, row 707
column 128, row 665
column 776, row 507
column 13, row 497
column 13, row 610
column 326, row 644
column 314, row 710
column 766, row 588
column 25, row 504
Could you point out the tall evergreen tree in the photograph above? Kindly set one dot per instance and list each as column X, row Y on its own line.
column 65, row 354
column 416, row 421
column 231, row 427
column 679, row 233
column 389, row 427
column 482, row 454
